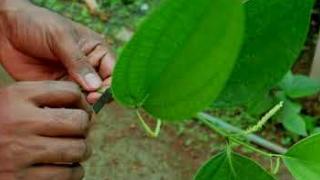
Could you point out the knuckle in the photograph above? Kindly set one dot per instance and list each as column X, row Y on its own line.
column 17, row 153
column 16, row 148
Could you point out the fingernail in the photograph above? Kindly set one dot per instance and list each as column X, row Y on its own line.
column 93, row 80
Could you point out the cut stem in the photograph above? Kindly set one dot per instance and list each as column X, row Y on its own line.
column 152, row 133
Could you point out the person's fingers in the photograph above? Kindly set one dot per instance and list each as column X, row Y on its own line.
column 50, row 150
column 52, row 172
column 62, row 123
column 93, row 97
column 68, row 50
column 87, row 46
column 107, row 83
column 95, row 56
column 107, row 65
column 50, row 93
column 101, row 55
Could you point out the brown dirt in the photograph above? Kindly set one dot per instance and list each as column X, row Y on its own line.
column 122, row 151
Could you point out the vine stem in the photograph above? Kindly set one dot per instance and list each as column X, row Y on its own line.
column 237, row 141
column 152, row 133
column 226, row 129
column 232, row 138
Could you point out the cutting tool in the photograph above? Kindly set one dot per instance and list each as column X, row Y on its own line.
column 105, row 99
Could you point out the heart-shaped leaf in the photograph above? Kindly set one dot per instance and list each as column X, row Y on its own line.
column 232, row 166
column 303, row 159
column 179, row 60
column 275, row 34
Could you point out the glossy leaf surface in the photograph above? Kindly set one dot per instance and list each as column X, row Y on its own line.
column 275, row 34
column 303, row 159
column 180, row 59
column 232, row 167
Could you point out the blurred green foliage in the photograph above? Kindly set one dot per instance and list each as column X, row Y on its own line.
column 114, row 17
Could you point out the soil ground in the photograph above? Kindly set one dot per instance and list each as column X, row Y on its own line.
column 122, row 151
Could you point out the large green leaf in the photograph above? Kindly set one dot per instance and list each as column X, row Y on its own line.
column 232, row 167
column 275, row 34
column 180, row 58
column 303, row 159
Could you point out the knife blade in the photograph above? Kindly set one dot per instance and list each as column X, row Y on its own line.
column 105, row 99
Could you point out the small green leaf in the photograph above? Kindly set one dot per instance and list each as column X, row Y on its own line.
column 295, row 123
column 303, row 159
column 311, row 123
column 296, row 86
column 275, row 34
column 290, row 117
column 180, row 58
column 232, row 167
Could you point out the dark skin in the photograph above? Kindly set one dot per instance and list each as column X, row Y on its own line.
column 44, row 122
column 49, row 47
column 40, row 134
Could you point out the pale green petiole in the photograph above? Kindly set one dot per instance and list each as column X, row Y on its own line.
column 152, row 133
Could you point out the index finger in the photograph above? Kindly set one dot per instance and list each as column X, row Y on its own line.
column 54, row 94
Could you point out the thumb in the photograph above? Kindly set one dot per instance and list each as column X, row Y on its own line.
column 75, row 61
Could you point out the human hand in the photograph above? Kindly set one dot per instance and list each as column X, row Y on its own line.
column 43, row 126
column 37, row 44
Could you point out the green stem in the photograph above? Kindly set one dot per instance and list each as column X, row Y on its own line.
column 229, row 156
column 276, row 169
column 236, row 140
column 102, row 90
column 213, row 127
column 152, row 133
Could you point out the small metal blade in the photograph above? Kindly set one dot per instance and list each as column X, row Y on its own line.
column 105, row 99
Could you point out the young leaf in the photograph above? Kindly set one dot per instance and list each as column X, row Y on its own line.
column 232, row 167
column 180, row 58
column 275, row 34
column 290, row 116
column 295, row 123
column 303, row 159
column 297, row 86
